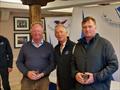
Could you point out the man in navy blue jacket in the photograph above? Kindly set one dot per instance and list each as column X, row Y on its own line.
column 6, row 61
column 94, row 59
column 63, row 57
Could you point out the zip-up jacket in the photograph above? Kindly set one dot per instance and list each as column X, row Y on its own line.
column 98, row 58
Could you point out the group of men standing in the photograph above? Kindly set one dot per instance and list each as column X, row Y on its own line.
column 86, row 65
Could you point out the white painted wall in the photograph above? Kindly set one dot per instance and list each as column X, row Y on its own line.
column 109, row 29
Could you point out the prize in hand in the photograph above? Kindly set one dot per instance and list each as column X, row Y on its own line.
column 85, row 77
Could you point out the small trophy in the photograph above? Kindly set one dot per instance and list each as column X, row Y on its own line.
column 85, row 77
column 37, row 72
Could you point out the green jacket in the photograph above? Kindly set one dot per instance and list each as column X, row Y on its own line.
column 97, row 57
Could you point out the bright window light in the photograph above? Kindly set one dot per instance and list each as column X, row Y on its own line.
column 69, row 10
column 12, row 1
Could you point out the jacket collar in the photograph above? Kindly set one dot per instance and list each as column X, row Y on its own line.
column 83, row 40
column 67, row 42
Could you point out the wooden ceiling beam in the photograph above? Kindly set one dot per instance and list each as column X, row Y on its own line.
column 36, row 2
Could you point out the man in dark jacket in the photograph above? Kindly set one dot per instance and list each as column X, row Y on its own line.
column 94, row 59
column 63, row 55
column 6, row 61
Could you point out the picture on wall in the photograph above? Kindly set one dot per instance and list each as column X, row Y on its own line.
column 44, row 26
column 20, row 39
column 21, row 23
column 43, row 22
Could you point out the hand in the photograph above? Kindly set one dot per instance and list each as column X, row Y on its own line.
column 90, row 80
column 32, row 75
column 79, row 77
column 40, row 75
column 9, row 69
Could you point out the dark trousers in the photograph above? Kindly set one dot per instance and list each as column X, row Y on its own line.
column 5, row 78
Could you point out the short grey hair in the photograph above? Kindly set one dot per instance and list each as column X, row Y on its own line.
column 61, row 25
column 34, row 23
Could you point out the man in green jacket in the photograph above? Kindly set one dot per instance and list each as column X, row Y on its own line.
column 94, row 59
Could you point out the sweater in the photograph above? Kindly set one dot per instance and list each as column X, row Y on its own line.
column 39, row 59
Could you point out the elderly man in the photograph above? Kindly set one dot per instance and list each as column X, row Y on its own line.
column 63, row 55
column 36, row 60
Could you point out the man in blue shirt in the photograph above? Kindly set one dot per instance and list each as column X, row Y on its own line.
column 36, row 61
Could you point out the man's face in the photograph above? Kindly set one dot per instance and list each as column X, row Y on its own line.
column 61, row 34
column 37, row 32
column 89, row 29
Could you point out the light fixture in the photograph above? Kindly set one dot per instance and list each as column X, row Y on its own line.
column 11, row 1
column 69, row 10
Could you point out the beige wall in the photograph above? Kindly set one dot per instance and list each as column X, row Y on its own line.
column 7, row 28
column 7, row 24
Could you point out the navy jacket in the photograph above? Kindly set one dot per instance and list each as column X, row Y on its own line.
column 6, row 55
column 63, row 62
column 98, row 58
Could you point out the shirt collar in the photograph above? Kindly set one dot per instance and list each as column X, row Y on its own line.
column 40, row 44
column 64, row 44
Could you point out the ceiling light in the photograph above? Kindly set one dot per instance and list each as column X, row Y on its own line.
column 115, row 3
column 69, row 10
column 94, row 5
column 11, row 1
